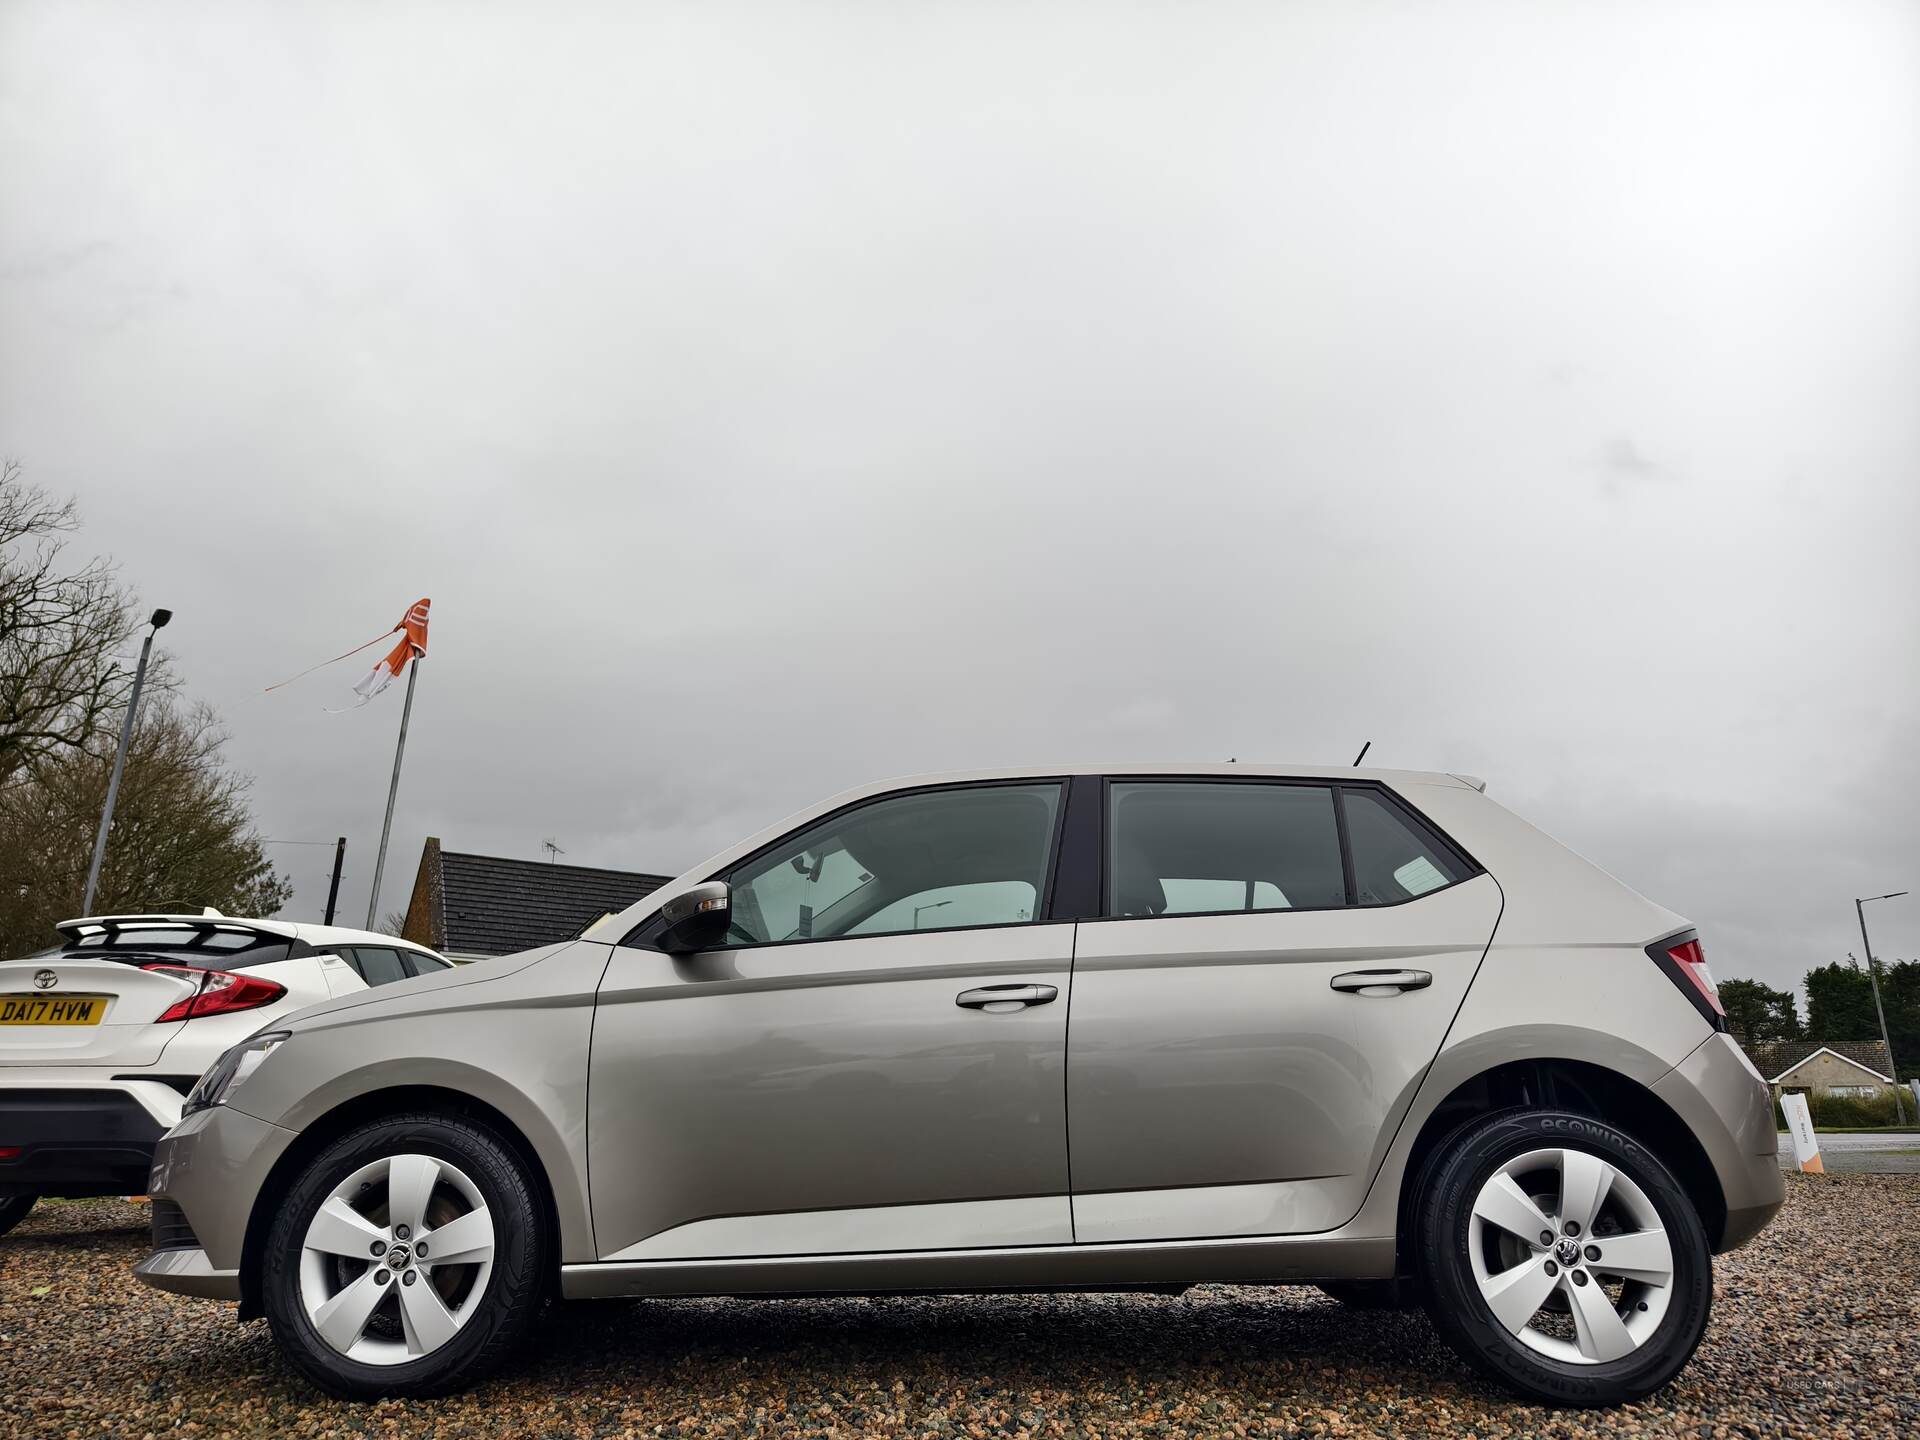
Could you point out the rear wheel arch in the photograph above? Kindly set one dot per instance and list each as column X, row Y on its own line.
column 1582, row 1088
column 349, row 1115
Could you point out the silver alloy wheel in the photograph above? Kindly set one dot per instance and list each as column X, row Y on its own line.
column 396, row 1259
column 1538, row 1225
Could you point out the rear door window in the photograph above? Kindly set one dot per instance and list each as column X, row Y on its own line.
column 418, row 964
column 1178, row 847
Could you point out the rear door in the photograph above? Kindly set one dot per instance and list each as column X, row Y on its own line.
column 1277, row 966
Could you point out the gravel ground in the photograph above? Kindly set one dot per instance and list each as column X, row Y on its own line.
column 1816, row 1332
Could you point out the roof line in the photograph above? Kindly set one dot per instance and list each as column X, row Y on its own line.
column 552, row 865
column 1844, row 1059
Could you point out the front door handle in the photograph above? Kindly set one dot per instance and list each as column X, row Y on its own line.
column 1004, row 999
column 1381, row 982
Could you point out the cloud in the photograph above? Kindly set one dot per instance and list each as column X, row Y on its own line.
column 771, row 401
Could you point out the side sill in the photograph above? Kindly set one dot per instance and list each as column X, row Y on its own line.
column 1285, row 1260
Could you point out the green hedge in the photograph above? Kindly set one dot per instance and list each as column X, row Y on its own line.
column 1840, row 1112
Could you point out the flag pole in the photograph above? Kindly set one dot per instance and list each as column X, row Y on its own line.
column 393, row 791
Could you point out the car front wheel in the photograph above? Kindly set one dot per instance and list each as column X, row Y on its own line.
column 406, row 1259
column 1561, row 1257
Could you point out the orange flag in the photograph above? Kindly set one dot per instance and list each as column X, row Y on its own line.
column 413, row 646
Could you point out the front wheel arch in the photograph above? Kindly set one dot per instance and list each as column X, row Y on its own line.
column 352, row 1114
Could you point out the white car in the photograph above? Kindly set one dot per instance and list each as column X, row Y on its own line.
column 102, row 1038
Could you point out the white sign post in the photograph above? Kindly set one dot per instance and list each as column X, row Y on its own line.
column 1914, row 1085
column 1806, row 1145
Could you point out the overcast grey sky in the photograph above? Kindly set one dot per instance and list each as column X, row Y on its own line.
column 773, row 397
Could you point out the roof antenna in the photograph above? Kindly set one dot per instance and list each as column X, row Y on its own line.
column 1363, row 754
column 553, row 850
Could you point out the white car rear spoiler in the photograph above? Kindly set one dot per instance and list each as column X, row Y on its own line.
column 74, row 930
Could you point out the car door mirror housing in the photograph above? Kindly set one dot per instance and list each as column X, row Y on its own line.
column 697, row 919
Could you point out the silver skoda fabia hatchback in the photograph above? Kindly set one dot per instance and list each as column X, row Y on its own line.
column 1134, row 1027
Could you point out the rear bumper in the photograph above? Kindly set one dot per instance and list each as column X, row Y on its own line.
column 1726, row 1104
column 161, row 1098
column 75, row 1141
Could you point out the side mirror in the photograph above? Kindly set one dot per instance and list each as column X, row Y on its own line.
column 697, row 919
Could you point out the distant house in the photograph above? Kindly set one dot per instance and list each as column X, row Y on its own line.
column 1840, row 1067
column 471, row 907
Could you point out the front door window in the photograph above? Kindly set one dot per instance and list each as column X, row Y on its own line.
column 933, row 860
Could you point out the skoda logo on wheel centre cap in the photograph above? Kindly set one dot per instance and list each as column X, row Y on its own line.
column 45, row 979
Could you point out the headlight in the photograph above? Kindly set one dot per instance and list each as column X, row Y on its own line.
column 232, row 1068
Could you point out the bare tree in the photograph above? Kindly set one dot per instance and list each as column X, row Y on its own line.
column 183, row 834
column 61, row 630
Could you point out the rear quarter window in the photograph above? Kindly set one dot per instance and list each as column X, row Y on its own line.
column 378, row 965
column 1395, row 856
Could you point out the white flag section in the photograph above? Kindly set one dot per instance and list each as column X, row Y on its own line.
column 1806, row 1144
column 376, row 680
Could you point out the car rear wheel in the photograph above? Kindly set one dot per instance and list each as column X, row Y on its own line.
column 1561, row 1257
column 14, row 1209
column 406, row 1259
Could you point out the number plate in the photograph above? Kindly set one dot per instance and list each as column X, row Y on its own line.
column 52, row 1009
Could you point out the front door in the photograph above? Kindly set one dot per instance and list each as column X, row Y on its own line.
column 875, row 1061
column 1254, row 1015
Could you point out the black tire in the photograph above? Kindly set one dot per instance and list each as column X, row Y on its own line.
column 514, row 1287
column 14, row 1210
column 1374, row 1294
column 1461, row 1313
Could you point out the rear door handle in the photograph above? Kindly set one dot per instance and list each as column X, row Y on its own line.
column 1003, row 999
column 1381, row 982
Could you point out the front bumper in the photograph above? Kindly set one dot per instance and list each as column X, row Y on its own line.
column 1726, row 1104
column 188, row 1272
column 210, row 1167
column 75, row 1140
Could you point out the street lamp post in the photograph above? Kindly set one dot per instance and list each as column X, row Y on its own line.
column 1873, row 978
column 934, row 906
column 158, row 619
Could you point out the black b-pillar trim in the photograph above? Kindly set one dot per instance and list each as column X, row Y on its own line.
column 1076, row 884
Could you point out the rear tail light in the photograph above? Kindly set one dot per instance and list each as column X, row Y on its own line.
column 221, row 992
column 1686, row 965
